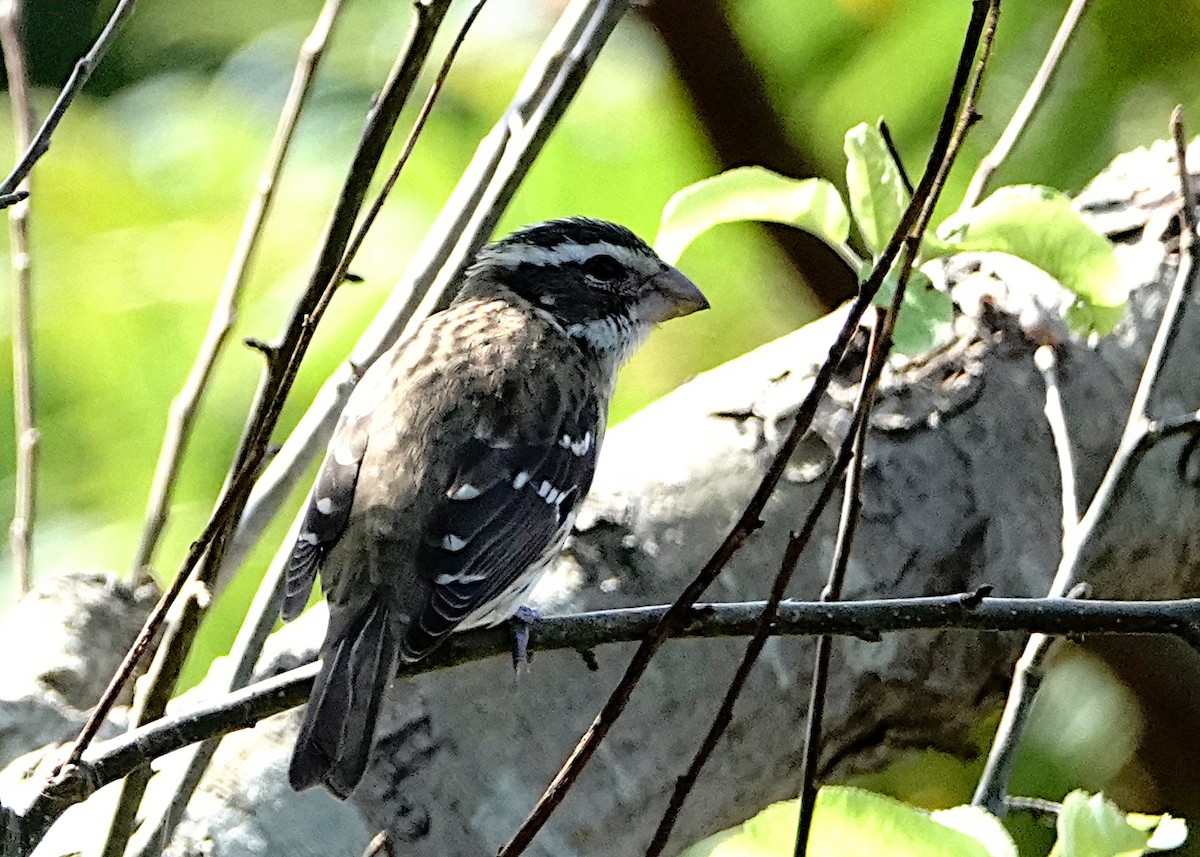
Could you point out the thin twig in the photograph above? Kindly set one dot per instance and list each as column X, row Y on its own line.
column 750, row 519
column 886, row 133
column 24, row 391
column 413, row 134
column 1029, row 103
column 1137, row 439
column 880, row 346
column 79, row 76
column 881, row 332
column 280, row 373
column 764, row 630
column 185, row 405
column 1056, row 417
column 111, row 760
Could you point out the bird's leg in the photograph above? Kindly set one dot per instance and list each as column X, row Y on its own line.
column 519, row 624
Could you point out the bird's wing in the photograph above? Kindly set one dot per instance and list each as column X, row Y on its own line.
column 332, row 495
column 508, row 506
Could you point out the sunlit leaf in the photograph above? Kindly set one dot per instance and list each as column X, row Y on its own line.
column 751, row 193
column 926, row 315
column 980, row 825
column 877, row 194
column 1039, row 225
column 1091, row 826
column 850, row 822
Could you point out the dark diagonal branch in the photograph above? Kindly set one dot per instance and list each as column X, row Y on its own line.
column 79, row 76
column 281, row 371
column 265, row 609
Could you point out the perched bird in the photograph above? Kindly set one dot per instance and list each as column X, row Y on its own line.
column 455, row 472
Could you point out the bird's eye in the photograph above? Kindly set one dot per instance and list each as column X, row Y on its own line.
column 603, row 267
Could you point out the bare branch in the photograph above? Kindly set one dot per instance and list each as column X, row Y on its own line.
column 24, row 391
column 866, row 620
column 1056, row 417
column 881, row 333
column 186, row 404
column 79, row 76
column 1029, row 103
column 1137, row 439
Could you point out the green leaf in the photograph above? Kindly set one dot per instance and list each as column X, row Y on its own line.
column 1091, row 826
column 980, row 825
column 926, row 315
column 1039, row 225
column 878, row 197
column 751, row 193
column 851, row 822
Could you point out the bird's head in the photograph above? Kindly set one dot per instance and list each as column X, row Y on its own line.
column 601, row 283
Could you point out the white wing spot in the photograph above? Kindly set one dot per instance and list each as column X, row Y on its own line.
column 466, row 491
column 447, row 579
column 581, row 446
column 308, row 538
column 452, row 542
column 544, row 490
column 565, row 442
column 324, row 505
column 521, row 480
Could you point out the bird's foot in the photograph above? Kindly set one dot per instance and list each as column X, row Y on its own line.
column 520, row 623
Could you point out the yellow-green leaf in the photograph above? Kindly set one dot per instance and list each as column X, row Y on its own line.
column 1039, row 225
column 751, row 193
column 878, row 197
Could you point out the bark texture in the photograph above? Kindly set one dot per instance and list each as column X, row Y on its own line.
column 961, row 490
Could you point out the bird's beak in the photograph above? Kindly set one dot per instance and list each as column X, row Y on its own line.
column 671, row 295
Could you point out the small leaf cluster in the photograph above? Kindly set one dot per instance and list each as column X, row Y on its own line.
column 1030, row 222
column 852, row 822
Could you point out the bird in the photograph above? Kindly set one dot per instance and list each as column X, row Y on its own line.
column 456, row 470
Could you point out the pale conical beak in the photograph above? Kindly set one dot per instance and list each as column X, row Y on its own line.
column 670, row 295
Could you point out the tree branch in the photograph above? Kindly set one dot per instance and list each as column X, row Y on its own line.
column 1025, row 110
column 867, row 620
column 24, row 390
column 79, row 76
column 1136, row 440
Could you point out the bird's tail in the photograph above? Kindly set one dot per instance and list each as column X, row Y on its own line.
column 339, row 725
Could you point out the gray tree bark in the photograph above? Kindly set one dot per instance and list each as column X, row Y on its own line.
column 962, row 490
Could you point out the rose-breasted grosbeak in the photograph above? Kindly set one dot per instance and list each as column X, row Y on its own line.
column 457, row 467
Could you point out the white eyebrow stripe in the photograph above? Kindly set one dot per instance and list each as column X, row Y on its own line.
column 517, row 253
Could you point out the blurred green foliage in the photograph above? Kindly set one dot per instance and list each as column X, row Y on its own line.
column 137, row 205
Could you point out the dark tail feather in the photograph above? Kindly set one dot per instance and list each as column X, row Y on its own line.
column 339, row 727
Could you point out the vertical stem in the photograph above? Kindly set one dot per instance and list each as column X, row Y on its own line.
column 185, row 405
column 24, row 410
column 1029, row 103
